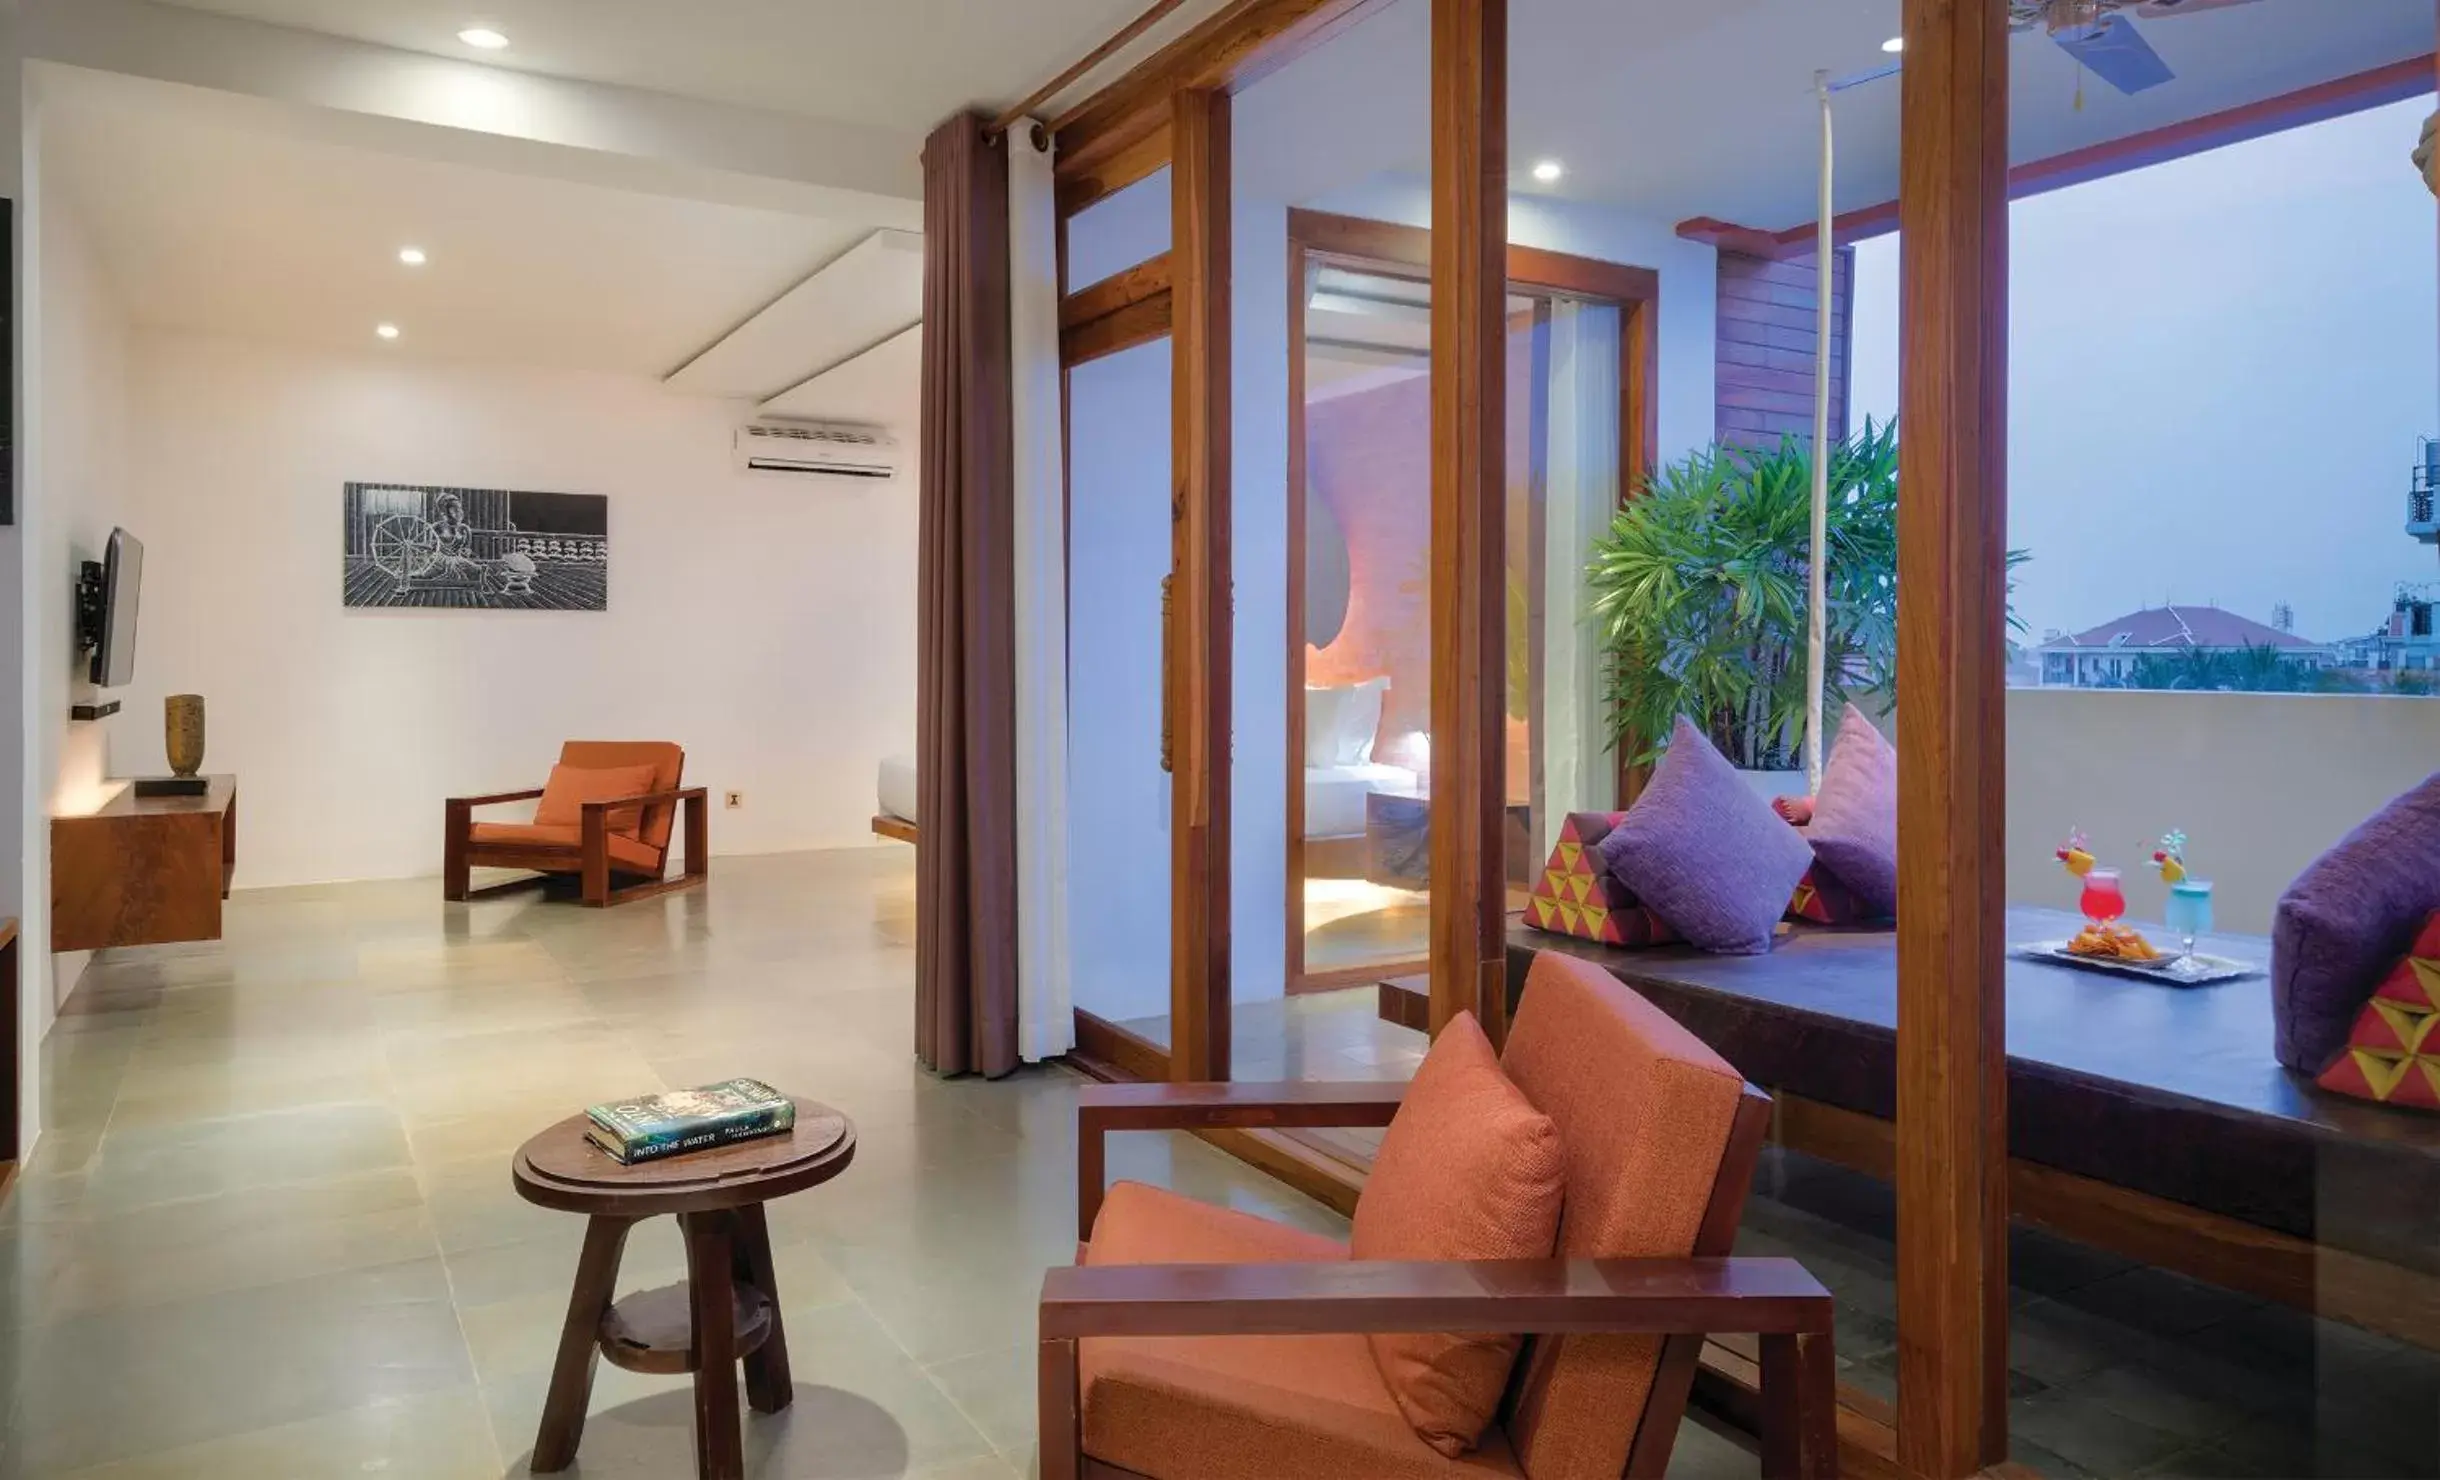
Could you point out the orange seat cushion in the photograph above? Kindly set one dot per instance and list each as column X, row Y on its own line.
column 627, row 853
column 668, row 764
column 1468, row 1169
column 1242, row 1407
column 570, row 787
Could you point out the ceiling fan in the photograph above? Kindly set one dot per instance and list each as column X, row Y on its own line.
column 2101, row 34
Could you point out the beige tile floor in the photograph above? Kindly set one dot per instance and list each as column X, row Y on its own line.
column 270, row 1230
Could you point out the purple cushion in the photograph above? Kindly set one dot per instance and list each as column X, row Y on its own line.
column 1705, row 853
column 1854, row 831
column 2345, row 922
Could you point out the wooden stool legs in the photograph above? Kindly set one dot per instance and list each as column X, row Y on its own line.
column 710, row 1261
column 769, row 1387
column 724, row 1249
column 563, row 1411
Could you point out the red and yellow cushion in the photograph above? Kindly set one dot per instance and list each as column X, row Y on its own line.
column 1577, row 894
column 2393, row 1053
column 1821, row 899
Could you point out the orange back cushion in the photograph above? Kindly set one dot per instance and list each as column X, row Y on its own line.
column 1643, row 1111
column 668, row 764
column 1467, row 1170
column 564, row 795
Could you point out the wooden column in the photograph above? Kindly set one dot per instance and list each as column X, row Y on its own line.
column 1201, row 624
column 1469, row 482
column 1952, row 1155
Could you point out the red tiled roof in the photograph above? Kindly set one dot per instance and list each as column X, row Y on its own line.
column 2181, row 626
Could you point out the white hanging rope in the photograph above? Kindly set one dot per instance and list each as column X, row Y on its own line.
column 1817, row 640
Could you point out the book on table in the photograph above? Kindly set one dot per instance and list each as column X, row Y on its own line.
column 653, row 1126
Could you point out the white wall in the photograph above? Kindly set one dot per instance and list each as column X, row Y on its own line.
column 77, row 488
column 767, row 624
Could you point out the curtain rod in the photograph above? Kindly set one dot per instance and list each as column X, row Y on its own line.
column 1087, row 63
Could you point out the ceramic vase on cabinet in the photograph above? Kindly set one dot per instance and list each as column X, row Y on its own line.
column 182, row 732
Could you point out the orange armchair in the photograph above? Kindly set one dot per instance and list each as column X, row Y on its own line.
column 1245, row 1358
column 620, row 846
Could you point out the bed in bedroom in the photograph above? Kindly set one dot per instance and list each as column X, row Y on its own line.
column 894, row 795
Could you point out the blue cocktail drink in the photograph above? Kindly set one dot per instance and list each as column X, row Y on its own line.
column 2189, row 915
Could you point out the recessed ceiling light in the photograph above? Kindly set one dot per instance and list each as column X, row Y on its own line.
column 1894, row 45
column 386, row 331
column 1548, row 171
column 412, row 256
column 484, row 37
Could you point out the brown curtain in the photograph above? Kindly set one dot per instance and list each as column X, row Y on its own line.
column 966, row 865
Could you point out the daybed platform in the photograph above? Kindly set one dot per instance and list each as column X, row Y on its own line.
column 2145, row 1119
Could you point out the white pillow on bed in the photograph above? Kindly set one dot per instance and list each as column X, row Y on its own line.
column 1340, row 722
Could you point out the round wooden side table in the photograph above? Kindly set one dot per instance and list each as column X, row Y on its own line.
column 728, row 1308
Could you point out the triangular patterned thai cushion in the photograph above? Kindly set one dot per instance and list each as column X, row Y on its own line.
column 2393, row 1053
column 1576, row 895
column 1822, row 900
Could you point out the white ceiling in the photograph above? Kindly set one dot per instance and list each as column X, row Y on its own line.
column 870, row 293
column 882, row 386
column 1686, row 108
column 902, row 64
column 208, row 226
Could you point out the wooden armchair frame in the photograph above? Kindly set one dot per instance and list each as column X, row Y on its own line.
column 591, row 861
column 1681, row 1300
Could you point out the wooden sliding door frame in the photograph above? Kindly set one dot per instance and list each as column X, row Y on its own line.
column 1201, row 634
column 1388, row 249
column 1129, row 307
column 1952, row 1122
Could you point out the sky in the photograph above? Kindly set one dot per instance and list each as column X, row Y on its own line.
column 2218, row 368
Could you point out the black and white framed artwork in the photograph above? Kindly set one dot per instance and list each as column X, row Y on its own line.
column 487, row 549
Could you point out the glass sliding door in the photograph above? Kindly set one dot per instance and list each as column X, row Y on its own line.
column 1360, row 712
column 1118, row 791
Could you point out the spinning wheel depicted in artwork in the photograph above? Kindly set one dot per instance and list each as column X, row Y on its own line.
column 405, row 548
column 475, row 547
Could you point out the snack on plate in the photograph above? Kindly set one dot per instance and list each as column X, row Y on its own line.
column 2112, row 943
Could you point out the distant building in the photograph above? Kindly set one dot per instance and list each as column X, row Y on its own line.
column 2105, row 657
column 2409, row 642
column 2423, row 495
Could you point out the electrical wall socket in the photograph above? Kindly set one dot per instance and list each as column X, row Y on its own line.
column 732, row 800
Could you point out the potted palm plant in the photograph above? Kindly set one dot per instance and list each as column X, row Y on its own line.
column 1698, row 591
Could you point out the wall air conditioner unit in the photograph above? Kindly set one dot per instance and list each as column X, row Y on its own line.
column 773, row 445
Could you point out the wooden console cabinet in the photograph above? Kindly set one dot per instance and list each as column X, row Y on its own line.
column 143, row 871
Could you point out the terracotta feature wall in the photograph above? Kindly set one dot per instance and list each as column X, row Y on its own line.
column 1767, row 337
column 1368, row 457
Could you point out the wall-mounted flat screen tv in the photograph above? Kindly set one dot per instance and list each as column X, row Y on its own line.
column 114, row 634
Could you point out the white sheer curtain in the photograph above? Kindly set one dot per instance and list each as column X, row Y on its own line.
column 1578, row 772
column 1046, row 1026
